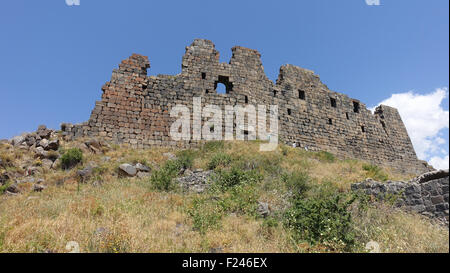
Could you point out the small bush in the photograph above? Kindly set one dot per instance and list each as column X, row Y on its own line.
column 323, row 220
column 326, row 157
column 162, row 179
column 375, row 172
column 71, row 158
column 219, row 160
column 225, row 179
column 242, row 199
column 4, row 187
column 297, row 182
column 204, row 214
column 185, row 159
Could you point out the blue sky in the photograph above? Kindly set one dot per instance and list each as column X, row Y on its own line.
column 55, row 58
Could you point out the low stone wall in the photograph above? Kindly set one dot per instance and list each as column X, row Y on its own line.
column 426, row 194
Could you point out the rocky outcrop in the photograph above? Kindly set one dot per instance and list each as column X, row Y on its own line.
column 426, row 194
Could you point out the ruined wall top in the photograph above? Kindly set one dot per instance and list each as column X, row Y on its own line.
column 135, row 107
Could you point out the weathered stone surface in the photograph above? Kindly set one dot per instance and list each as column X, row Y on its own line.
column 17, row 140
column 127, row 170
column 13, row 189
column 195, row 181
column 263, row 209
column 38, row 187
column 142, row 168
column 426, row 194
column 86, row 173
column 47, row 164
column 135, row 108
column 53, row 145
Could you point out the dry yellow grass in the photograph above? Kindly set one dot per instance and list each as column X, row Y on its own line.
column 126, row 215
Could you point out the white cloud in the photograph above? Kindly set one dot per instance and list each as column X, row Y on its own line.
column 440, row 163
column 424, row 119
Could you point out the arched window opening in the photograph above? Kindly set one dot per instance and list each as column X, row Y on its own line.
column 223, row 85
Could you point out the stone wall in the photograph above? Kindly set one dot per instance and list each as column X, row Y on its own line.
column 426, row 194
column 135, row 108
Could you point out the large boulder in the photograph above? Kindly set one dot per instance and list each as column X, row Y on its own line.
column 127, row 170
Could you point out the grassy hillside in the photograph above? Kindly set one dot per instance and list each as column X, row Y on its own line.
column 311, row 206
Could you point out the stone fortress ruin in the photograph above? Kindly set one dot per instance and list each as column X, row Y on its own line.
column 135, row 108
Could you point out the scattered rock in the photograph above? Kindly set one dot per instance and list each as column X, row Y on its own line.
column 84, row 174
column 94, row 145
column 73, row 247
column 170, row 156
column 13, row 189
column 141, row 167
column 373, row 247
column 263, row 209
column 106, row 159
column 26, row 180
column 43, row 132
column 47, row 164
column 127, row 170
column 31, row 139
column 38, row 187
column 17, row 140
column 216, row 250
column 53, row 145
column 43, row 143
column 195, row 181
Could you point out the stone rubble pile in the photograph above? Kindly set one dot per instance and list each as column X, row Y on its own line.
column 196, row 181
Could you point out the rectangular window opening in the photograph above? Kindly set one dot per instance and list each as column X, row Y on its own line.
column 333, row 102
column 356, row 107
column 301, row 94
column 330, row 121
column 203, row 75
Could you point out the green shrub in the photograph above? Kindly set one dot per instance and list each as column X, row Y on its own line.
column 326, row 157
column 242, row 199
column 185, row 159
column 204, row 214
column 162, row 179
column 71, row 158
column 297, row 182
column 4, row 187
column 225, row 179
column 323, row 219
column 219, row 160
column 375, row 172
